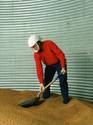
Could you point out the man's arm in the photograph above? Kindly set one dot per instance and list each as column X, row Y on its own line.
column 59, row 53
column 39, row 67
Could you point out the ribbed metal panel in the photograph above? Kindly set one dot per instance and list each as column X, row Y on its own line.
column 68, row 22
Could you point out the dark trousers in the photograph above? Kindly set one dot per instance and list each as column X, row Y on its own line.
column 49, row 74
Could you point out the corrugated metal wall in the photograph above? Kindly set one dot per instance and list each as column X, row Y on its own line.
column 68, row 22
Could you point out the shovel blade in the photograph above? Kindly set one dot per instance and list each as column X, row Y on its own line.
column 30, row 102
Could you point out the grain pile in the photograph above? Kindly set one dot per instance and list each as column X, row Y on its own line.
column 52, row 111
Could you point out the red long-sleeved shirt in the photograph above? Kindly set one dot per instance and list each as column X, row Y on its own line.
column 50, row 54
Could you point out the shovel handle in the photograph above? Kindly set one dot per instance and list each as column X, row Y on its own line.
column 49, row 85
column 51, row 82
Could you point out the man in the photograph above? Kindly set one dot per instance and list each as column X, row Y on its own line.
column 52, row 56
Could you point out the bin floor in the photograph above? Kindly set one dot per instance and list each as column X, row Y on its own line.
column 51, row 111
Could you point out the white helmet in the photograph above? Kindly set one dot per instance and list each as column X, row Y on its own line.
column 33, row 40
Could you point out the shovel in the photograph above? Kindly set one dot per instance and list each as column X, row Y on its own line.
column 36, row 100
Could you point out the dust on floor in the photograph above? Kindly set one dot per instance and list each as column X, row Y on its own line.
column 51, row 111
